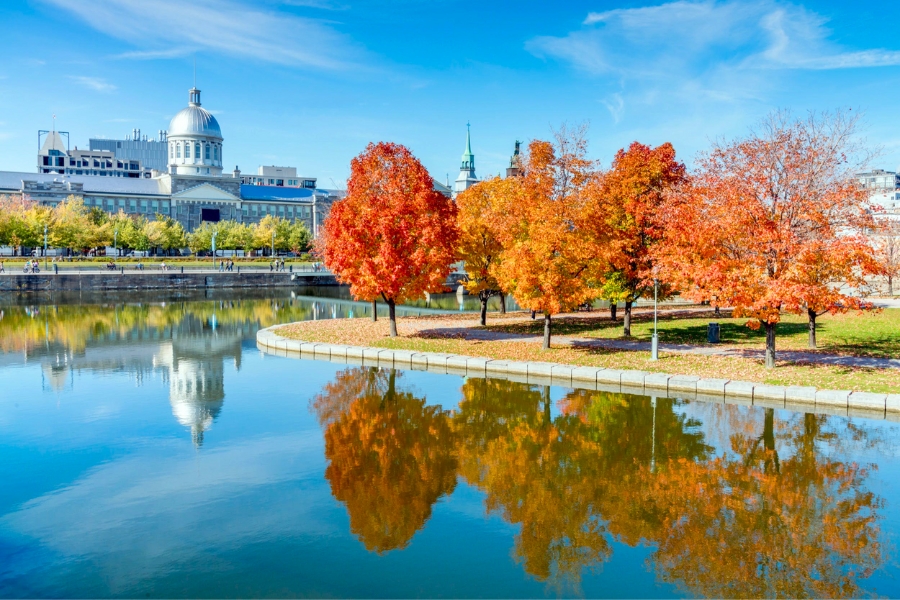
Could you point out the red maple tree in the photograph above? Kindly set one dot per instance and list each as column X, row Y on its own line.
column 772, row 224
column 392, row 236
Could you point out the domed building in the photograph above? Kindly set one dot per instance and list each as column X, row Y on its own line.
column 195, row 140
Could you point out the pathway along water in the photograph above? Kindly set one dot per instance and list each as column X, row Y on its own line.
column 149, row 449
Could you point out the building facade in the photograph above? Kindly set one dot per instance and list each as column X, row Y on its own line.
column 192, row 188
column 152, row 154
column 279, row 177
column 884, row 192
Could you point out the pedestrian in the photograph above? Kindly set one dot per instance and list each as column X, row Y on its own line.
column 532, row 315
column 271, row 266
column 2, row 270
column 282, row 265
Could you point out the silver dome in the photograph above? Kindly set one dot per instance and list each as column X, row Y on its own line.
column 194, row 120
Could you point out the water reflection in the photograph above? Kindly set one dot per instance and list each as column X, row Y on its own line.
column 186, row 340
column 390, row 456
column 377, row 479
column 771, row 513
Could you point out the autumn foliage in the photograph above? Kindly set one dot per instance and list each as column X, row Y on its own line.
column 545, row 258
column 393, row 237
column 753, row 503
column 771, row 224
column 480, row 221
column 626, row 201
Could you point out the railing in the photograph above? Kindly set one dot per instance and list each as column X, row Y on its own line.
column 157, row 267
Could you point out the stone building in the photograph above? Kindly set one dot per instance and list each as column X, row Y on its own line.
column 193, row 190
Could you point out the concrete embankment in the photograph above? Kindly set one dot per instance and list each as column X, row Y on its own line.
column 168, row 280
column 688, row 387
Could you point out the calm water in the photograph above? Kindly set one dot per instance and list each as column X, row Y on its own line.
column 149, row 449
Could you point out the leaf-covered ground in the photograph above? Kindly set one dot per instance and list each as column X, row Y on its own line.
column 865, row 335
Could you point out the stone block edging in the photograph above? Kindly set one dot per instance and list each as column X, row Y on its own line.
column 688, row 387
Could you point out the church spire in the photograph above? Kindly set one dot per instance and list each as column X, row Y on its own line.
column 468, row 159
column 466, row 177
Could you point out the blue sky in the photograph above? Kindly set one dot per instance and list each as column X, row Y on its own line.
column 308, row 83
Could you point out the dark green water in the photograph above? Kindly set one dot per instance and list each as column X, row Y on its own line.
column 149, row 449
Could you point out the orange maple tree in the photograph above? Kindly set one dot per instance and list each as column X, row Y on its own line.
column 392, row 236
column 545, row 259
column 479, row 220
column 622, row 212
column 771, row 223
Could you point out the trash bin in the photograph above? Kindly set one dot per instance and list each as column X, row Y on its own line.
column 712, row 333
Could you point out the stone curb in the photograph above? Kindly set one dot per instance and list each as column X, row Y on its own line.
column 687, row 387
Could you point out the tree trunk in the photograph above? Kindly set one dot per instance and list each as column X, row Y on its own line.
column 374, row 310
column 770, row 345
column 613, row 307
column 890, row 286
column 502, row 303
column 546, row 331
column 484, row 300
column 812, row 327
column 627, row 319
column 392, row 314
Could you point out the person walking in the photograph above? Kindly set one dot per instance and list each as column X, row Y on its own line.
column 2, row 270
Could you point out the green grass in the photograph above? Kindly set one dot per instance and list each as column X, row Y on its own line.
column 871, row 334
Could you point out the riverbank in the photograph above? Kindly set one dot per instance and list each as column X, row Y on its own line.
column 453, row 334
column 155, row 280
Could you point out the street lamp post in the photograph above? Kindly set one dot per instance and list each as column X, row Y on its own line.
column 116, row 243
column 654, row 345
column 45, row 247
column 214, row 234
column 273, row 244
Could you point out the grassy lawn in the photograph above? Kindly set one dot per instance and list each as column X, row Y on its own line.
column 874, row 334
column 365, row 333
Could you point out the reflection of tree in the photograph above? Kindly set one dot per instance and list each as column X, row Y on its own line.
column 390, row 456
column 538, row 472
column 766, row 519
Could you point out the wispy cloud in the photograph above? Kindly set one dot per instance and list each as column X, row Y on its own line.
column 94, row 83
column 155, row 54
column 615, row 104
column 160, row 28
column 685, row 35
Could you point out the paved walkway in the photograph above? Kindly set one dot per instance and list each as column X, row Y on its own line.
column 797, row 356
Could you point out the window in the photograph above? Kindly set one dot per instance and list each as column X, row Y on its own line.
column 178, row 150
column 271, row 181
column 143, row 206
column 171, row 150
column 197, row 151
column 280, row 210
column 154, row 206
column 187, row 150
column 216, row 152
column 206, row 152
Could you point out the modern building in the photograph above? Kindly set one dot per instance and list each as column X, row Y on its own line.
column 279, row 177
column 467, row 176
column 884, row 192
column 54, row 157
column 191, row 189
column 152, row 154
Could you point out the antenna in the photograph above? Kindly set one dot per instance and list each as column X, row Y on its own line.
column 195, row 70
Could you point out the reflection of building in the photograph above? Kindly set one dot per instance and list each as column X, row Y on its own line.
column 191, row 359
column 194, row 362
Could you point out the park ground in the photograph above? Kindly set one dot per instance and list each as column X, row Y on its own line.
column 858, row 340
